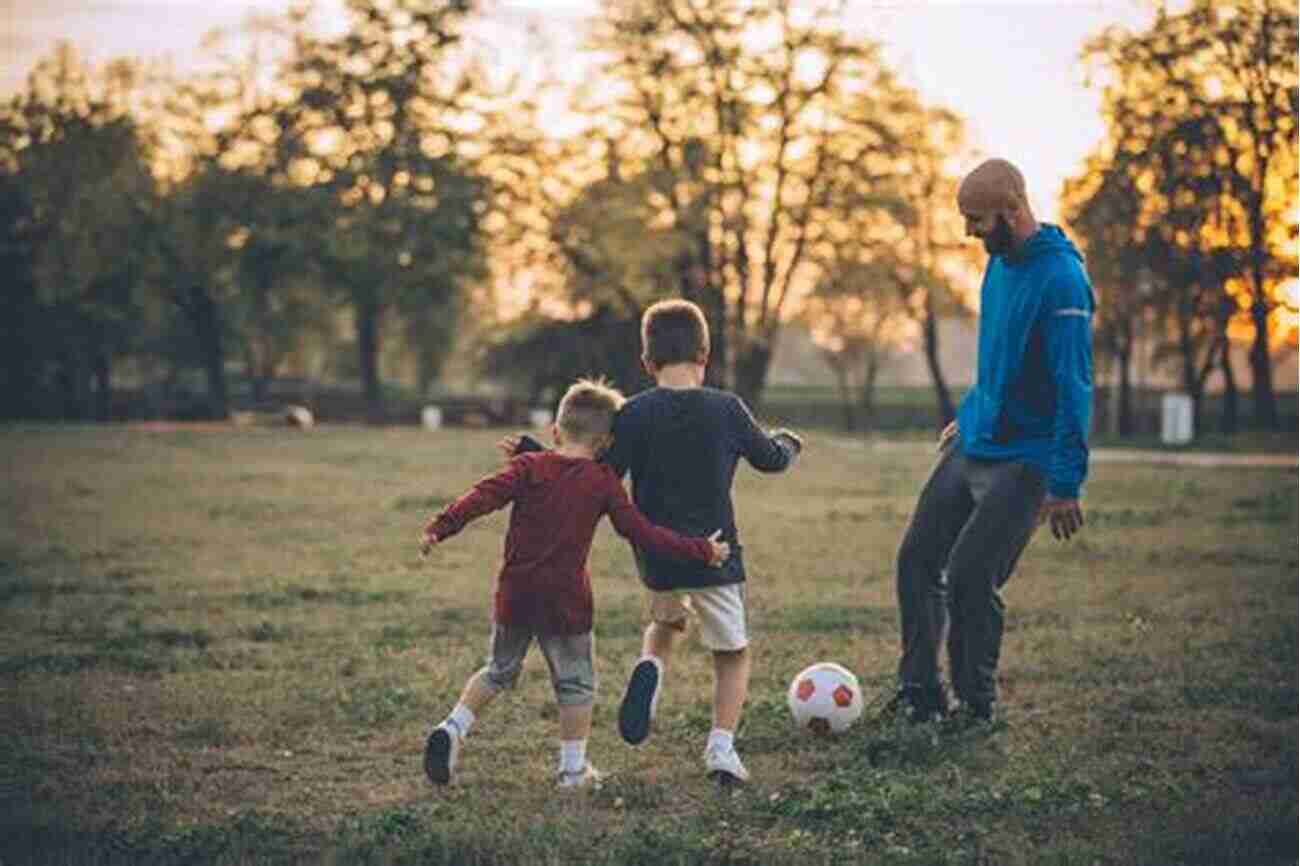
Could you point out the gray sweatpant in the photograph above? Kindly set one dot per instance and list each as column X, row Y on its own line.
column 971, row 523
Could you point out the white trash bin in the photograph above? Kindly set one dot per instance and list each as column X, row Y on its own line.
column 431, row 418
column 1176, row 419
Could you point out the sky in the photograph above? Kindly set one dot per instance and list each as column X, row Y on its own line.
column 1009, row 67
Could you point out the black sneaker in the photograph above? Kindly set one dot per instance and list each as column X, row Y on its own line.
column 440, row 753
column 638, row 706
column 918, row 704
column 974, row 714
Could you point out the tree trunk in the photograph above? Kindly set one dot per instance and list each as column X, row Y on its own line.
column 368, row 348
column 752, row 364
column 69, row 380
column 715, row 311
column 207, row 327
column 1125, row 393
column 846, row 398
column 869, row 388
column 1261, row 366
column 944, row 399
column 1228, row 422
column 103, row 375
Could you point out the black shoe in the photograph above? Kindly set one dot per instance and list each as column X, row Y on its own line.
column 440, row 753
column 638, row 706
column 974, row 714
column 919, row 704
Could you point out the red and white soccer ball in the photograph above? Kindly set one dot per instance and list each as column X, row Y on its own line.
column 825, row 698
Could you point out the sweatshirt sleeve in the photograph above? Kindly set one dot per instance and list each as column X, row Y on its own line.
column 765, row 452
column 630, row 523
column 1069, row 353
column 488, row 495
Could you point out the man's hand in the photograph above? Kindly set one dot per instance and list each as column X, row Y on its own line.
column 1065, row 515
column 721, row 550
column 428, row 539
column 947, row 434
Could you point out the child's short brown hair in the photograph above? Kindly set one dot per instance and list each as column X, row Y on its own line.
column 673, row 332
column 587, row 410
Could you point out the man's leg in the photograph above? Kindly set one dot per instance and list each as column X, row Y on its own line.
column 941, row 510
column 1008, row 498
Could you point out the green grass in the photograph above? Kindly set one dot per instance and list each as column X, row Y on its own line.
column 222, row 647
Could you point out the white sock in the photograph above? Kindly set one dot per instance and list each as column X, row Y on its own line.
column 721, row 739
column 573, row 755
column 462, row 719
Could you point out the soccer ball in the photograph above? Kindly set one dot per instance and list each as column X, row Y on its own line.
column 825, row 698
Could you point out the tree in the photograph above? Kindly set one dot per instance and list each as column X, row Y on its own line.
column 858, row 318
column 373, row 130
column 197, row 227
column 905, row 224
column 1230, row 70
column 1103, row 205
column 77, row 178
column 751, row 115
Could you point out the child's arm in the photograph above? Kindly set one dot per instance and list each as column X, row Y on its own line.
column 489, row 494
column 766, row 452
column 630, row 523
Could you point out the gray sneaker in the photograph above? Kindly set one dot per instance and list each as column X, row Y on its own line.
column 724, row 765
column 440, row 753
column 587, row 777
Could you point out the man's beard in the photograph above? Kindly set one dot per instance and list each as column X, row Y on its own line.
column 999, row 241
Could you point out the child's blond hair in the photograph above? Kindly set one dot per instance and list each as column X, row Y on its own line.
column 587, row 410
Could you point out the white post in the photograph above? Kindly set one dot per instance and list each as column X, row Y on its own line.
column 1176, row 419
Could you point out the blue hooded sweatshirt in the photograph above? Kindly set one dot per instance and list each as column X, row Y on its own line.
column 1032, row 399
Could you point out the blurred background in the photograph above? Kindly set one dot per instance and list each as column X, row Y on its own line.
column 367, row 207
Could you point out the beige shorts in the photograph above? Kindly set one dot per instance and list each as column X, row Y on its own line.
column 719, row 610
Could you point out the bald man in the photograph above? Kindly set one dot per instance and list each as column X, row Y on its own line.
column 1016, row 456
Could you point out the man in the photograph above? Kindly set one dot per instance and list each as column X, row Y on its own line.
column 1017, row 454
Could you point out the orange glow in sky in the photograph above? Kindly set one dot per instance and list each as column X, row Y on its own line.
column 1010, row 68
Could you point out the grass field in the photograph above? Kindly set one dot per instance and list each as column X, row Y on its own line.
column 221, row 647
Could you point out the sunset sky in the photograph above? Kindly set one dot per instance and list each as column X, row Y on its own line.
column 1010, row 68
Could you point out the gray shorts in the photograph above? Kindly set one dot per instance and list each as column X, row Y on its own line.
column 567, row 655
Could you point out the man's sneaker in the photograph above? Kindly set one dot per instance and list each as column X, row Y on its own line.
column 638, row 706
column 724, row 765
column 973, row 714
column 588, row 776
column 918, row 704
column 440, row 753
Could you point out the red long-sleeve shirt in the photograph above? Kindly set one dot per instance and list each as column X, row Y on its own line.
column 558, row 500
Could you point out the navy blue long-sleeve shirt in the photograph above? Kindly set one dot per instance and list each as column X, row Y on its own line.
column 681, row 447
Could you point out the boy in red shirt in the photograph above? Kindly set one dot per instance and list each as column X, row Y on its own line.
column 543, row 590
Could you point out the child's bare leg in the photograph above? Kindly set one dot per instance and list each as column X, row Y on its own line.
column 575, row 722
column 476, row 695
column 478, row 692
column 658, row 640
column 443, row 745
column 638, row 706
column 730, row 687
